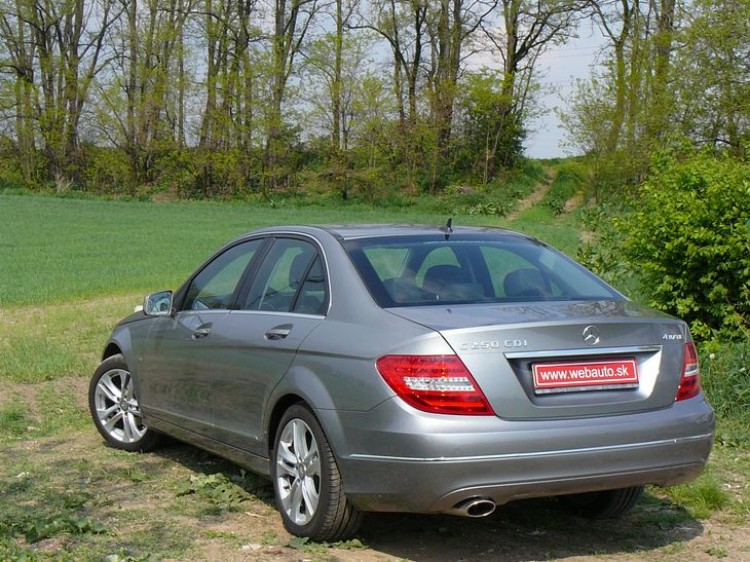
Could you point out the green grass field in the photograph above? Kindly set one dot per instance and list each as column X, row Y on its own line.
column 54, row 250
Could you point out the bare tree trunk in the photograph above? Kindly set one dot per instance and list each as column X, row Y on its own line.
column 663, row 40
column 336, row 85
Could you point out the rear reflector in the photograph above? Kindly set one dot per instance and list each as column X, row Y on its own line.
column 434, row 383
column 690, row 383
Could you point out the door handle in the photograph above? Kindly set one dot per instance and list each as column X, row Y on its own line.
column 202, row 332
column 279, row 332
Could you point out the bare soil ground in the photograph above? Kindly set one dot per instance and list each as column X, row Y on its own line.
column 142, row 502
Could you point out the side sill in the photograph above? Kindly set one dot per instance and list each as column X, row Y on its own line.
column 256, row 463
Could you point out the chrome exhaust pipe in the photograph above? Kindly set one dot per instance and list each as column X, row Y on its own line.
column 475, row 507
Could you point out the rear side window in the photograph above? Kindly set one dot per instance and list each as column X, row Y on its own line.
column 423, row 270
column 290, row 279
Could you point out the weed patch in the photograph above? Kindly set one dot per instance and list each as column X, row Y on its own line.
column 221, row 492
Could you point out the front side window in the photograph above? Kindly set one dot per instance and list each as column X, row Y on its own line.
column 423, row 270
column 214, row 287
column 290, row 279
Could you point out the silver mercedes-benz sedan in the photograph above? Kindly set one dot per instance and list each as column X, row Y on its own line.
column 409, row 368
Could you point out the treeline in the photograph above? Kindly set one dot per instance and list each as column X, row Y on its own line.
column 676, row 76
column 227, row 97
column 216, row 95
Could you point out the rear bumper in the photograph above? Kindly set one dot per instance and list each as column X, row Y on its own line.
column 429, row 464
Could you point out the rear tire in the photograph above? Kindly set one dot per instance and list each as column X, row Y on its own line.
column 307, row 482
column 608, row 504
column 115, row 409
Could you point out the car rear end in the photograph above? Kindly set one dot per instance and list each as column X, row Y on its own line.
column 517, row 395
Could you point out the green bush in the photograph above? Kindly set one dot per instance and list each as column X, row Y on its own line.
column 689, row 239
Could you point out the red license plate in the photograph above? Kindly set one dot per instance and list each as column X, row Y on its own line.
column 585, row 375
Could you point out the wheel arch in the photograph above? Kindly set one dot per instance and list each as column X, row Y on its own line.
column 281, row 406
column 301, row 384
column 121, row 342
column 112, row 348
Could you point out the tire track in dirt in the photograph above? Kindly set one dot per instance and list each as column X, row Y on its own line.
column 540, row 190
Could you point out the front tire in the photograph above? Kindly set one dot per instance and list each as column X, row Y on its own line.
column 115, row 409
column 307, row 482
column 608, row 504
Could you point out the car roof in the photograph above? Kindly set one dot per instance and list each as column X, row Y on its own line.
column 360, row 231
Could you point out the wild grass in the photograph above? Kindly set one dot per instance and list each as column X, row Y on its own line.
column 49, row 342
column 726, row 378
column 61, row 502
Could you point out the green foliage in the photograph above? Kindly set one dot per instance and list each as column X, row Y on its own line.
column 725, row 371
column 223, row 493
column 493, row 132
column 702, row 497
column 11, row 176
column 61, row 514
column 710, row 60
column 689, row 240
column 304, row 544
column 603, row 253
column 39, row 529
column 106, row 171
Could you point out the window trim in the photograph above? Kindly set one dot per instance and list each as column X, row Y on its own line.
column 182, row 292
column 250, row 276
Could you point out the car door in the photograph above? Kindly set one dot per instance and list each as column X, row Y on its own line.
column 179, row 360
column 285, row 301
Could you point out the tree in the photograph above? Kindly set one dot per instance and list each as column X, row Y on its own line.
column 451, row 26
column 714, row 59
column 488, row 130
column 142, row 95
column 690, row 241
column 336, row 80
column 403, row 25
column 56, row 50
column 618, row 20
column 292, row 21
column 525, row 31
column 19, row 63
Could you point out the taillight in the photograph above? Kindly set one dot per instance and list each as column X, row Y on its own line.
column 690, row 383
column 434, row 383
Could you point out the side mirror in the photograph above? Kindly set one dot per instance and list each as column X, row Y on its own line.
column 158, row 304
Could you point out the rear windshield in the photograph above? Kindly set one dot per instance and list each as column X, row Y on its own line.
column 427, row 270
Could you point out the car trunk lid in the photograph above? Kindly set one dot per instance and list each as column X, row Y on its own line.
column 564, row 359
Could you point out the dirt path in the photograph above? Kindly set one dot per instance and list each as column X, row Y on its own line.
column 540, row 190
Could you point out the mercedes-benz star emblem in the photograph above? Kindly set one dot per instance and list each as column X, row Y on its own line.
column 591, row 335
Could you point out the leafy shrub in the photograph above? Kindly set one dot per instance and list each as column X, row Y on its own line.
column 689, row 238
column 106, row 171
